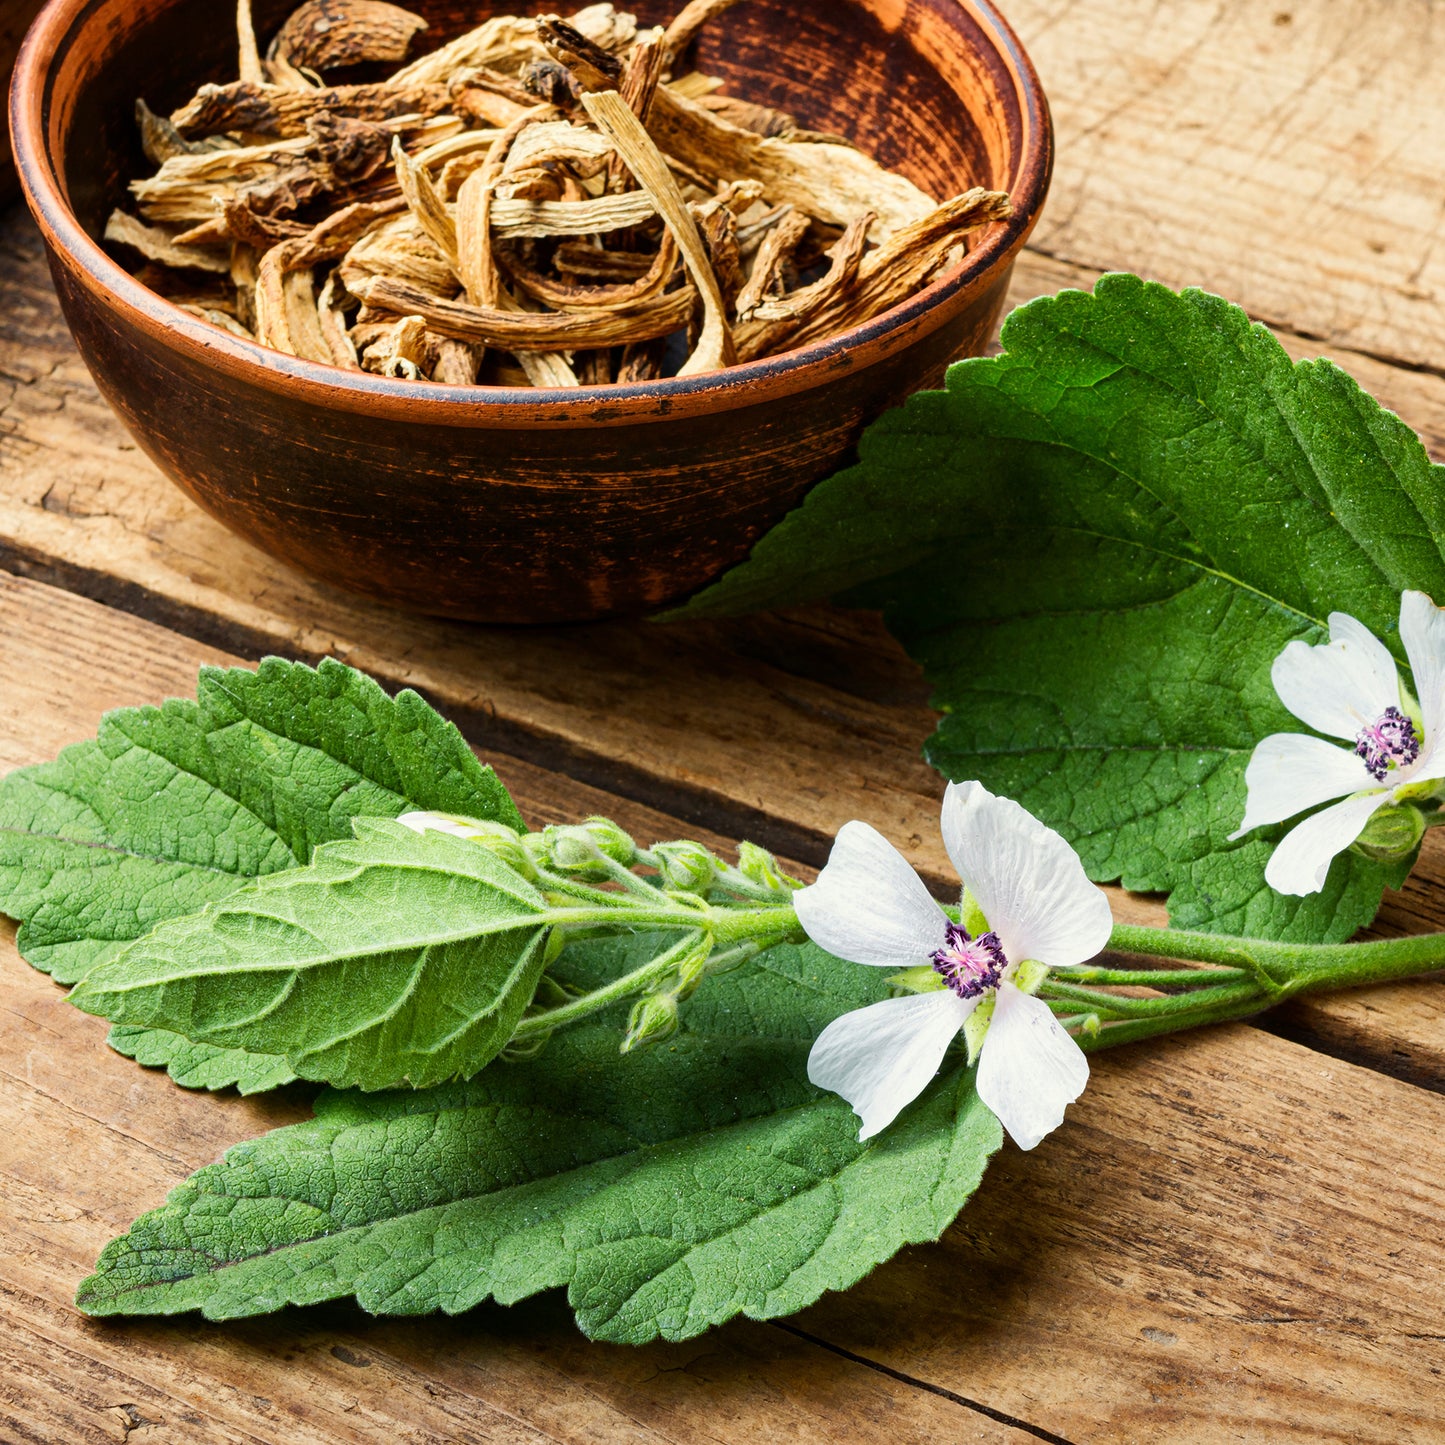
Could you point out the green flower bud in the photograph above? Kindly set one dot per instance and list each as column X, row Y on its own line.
column 652, row 1020
column 581, row 846
column 1393, row 833
column 510, row 850
column 497, row 838
column 691, row 973
column 759, row 866
column 685, row 867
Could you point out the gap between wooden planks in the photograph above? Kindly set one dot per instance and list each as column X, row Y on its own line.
column 1247, row 1232
column 780, row 727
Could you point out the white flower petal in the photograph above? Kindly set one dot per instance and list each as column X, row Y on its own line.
column 1422, row 629
column 1290, row 772
column 1301, row 862
column 1030, row 1070
column 868, row 904
column 1029, row 882
column 881, row 1058
column 1341, row 685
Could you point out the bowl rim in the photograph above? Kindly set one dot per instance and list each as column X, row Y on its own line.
column 335, row 388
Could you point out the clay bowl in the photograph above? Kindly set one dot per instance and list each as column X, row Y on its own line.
column 526, row 506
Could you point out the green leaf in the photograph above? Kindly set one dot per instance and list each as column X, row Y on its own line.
column 200, row 1066
column 1096, row 544
column 396, row 957
column 668, row 1190
column 172, row 807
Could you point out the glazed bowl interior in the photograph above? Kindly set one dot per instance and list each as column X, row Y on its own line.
column 861, row 70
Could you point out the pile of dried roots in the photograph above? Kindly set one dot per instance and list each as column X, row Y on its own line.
column 543, row 201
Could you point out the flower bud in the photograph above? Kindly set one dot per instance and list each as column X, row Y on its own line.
column 1394, row 832
column 685, row 867
column 578, row 845
column 652, row 1020
column 497, row 838
column 759, row 866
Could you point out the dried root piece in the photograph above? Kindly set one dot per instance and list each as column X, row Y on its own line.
column 399, row 350
column 426, row 205
column 326, row 33
column 775, row 321
column 249, row 61
column 905, row 263
column 159, row 245
column 332, row 316
column 456, row 363
column 516, row 219
column 591, row 262
column 687, row 22
column 223, row 319
column 570, row 296
column 267, row 110
column 286, row 314
column 401, row 249
column 832, row 183
column 521, row 331
column 773, row 255
column 714, row 348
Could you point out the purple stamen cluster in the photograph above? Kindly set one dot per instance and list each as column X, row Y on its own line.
column 1388, row 741
column 970, row 966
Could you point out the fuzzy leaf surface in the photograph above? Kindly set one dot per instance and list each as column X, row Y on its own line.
column 172, row 807
column 200, row 1066
column 394, row 957
column 1096, row 544
column 667, row 1190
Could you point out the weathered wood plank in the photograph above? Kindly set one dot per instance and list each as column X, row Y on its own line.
column 1287, row 155
column 1245, row 1231
column 1220, row 1245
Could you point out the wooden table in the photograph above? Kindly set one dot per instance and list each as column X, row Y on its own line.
column 1238, row 1235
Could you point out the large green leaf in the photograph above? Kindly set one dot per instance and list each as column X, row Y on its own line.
column 668, row 1190
column 172, row 807
column 1096, row 544
column 395, row 957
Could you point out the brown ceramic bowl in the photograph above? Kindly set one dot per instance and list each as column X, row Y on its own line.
column 526, row 506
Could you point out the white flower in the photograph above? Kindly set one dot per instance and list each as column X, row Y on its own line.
column 869, row 906
column 1348, row 687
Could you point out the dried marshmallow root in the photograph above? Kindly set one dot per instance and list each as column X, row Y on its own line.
column 541, row 201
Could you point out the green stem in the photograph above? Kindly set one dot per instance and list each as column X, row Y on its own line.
column 1242, row 1003
column 1177, row 943
column 1291, row 967
column 640, row 980
column 1164, row 1005
column 1154, row 977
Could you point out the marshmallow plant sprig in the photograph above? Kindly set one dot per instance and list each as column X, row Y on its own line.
column 559, row 1056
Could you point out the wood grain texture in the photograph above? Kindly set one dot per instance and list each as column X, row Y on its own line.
column 1287, row 155
column 1248, row 1232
